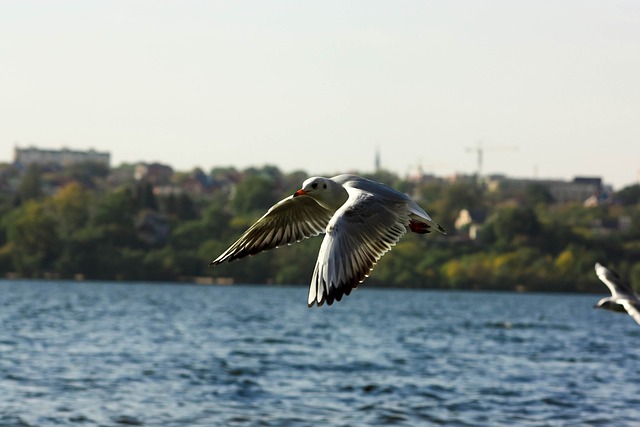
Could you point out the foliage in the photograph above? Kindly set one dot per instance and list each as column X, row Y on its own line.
column 31, row 232
column 98, row 230
column 30, row 186
column 630, row 195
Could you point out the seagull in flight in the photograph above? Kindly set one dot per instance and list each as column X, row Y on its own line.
column 361, row 220
column 622, row 299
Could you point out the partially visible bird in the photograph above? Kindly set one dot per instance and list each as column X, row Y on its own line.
column 362, row 220
column 622, row 299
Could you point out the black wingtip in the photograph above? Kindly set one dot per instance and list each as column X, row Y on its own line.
column 442, row 230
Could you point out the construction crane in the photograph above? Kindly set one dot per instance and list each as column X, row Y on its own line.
column 480, row 149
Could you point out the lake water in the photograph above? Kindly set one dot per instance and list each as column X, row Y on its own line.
column 114, row 354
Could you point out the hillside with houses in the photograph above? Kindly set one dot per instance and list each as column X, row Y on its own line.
column 71, row 215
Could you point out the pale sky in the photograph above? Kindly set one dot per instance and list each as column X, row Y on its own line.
column 318, row 86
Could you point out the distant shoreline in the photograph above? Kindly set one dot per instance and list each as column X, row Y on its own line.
column 212, row 281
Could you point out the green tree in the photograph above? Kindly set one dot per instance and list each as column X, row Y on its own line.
column 457, row 196
column 33, row 239
column 181, row 207
column 143, row 196
column 69, row 207
column 114, row 217
column 629, row 195
column 513, row 226
column 30, row 185
column 88, row 173
column 254, row 194
column 634, row 277
column 535, row 194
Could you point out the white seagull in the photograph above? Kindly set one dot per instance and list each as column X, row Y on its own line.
column 362, row 220
column 622, row 298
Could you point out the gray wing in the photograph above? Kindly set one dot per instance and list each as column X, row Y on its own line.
column 632, row 308
column 361, row 231
column 288, row 221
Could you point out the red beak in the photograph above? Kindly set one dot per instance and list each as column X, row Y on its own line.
column 300, row 192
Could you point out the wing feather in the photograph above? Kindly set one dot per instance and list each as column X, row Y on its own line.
column 358, row 235
column 288, row 221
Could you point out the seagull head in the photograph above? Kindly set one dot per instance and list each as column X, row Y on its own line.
column 325, row 191
column 312, row 186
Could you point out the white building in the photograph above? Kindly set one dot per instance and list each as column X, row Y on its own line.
column 578, row 190
column 65, row 157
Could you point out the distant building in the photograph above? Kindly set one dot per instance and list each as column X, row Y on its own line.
column 470, row 221
column 24, row 157
column 578, row 190
column 153, row 173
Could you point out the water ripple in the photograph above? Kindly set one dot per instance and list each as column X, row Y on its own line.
column 104, row 354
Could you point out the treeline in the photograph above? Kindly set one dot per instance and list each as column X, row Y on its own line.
column 85, row 226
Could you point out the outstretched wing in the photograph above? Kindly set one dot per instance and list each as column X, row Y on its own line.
column 361, row 231
column 288, row 221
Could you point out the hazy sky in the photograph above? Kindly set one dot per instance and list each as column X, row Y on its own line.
column 319, row 85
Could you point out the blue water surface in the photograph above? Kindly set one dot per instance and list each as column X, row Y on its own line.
column 118, row 354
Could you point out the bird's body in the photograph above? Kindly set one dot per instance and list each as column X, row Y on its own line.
column 361, row 220
column 622, row 299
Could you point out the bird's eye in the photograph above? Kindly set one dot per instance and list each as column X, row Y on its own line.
column 324, row 186
column 314, row 185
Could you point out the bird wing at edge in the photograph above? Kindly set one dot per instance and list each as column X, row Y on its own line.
column 614, row 282
column 632, row 308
